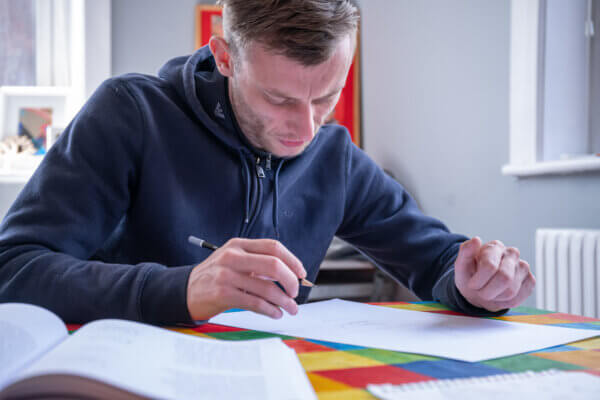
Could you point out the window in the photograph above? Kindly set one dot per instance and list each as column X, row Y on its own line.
column 17, row 43
column 53, row 55
column 555, row 73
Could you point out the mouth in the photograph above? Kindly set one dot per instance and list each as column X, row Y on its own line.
column 291, row 143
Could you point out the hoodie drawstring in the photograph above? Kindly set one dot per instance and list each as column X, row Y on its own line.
column 276, row 201
column 247, row 173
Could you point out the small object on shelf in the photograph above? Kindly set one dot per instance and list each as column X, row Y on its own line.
column 17, row 145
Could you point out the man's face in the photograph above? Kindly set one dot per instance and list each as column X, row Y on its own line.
column 279, row 103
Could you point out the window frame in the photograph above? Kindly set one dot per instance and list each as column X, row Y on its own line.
column 89, row 63
column 526, row 97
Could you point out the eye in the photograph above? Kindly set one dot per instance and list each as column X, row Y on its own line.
column 276, row 101
column 326, row 100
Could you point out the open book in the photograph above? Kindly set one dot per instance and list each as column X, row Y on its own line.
column 122, row 360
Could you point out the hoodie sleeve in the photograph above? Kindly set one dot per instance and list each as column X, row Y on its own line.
column 67, row 211
column 383, row 221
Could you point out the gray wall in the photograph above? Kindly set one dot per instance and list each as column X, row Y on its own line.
column 435, row 110
column 435, row 107
column 145, row 34
column 8, row 193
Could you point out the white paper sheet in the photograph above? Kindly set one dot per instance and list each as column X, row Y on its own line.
column 441, row 335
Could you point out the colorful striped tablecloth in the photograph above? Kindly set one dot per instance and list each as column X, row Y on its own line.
column 340, row 371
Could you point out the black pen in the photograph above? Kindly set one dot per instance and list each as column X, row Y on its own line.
column 203, row 243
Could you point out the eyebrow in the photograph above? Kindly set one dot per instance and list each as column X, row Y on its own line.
column 277, row 93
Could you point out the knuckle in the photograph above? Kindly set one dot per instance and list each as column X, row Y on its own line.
column 513, row 251
column 487, row 247
column 235, row 242
column 232, row 242
column 497, row 243
column 273, row 265
column 229, row 256
column 274, row 247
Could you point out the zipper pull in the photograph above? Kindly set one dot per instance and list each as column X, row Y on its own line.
column 268, row 166
column 260, row 172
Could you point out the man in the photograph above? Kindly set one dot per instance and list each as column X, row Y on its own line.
column 229, row 145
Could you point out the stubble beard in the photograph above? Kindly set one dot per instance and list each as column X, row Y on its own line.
column 251, row 126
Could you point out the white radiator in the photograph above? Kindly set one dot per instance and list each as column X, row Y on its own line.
column 568, row 271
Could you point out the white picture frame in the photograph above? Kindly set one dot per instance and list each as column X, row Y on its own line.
column 14, row 98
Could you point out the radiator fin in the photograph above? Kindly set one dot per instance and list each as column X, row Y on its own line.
column 568, row 271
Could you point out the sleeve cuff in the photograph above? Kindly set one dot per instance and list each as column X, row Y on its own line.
column 163, row 299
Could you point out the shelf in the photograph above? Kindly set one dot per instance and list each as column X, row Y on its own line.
column 344, row 290
column 345, row 265
column 12, row 178
column 18, row 169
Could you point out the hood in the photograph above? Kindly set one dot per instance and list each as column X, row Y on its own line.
column 200, row 84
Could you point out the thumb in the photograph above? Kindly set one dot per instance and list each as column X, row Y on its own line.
column 464, row 266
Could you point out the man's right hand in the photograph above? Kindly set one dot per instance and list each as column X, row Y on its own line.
column 241, row 274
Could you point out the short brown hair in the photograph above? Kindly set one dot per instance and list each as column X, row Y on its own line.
column 303, row 30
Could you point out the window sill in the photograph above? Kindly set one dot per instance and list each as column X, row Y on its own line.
column 18, row 169
column 558, row 167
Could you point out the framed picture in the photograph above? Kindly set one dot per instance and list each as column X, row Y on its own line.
column 348, row 110
column 22, row 108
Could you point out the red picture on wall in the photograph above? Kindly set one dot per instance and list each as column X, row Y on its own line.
column 347, row 112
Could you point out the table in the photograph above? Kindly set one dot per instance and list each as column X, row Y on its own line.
column 339, row 371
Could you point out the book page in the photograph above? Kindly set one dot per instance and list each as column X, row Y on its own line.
column 449, row 336
column 26, row 332
column 157, row 363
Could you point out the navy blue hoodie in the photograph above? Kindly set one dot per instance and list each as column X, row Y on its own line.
column 101, row 228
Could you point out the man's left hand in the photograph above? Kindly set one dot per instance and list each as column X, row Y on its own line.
column 492, row 276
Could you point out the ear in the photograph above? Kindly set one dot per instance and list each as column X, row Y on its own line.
column 220, row 50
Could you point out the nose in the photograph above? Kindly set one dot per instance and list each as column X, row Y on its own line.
column 306, row 122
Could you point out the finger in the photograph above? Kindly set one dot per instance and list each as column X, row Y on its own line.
column 464, row 266
column 273, row 248
column 488, row 262
column 266, row 290
column 269, row 267
column 522, row 274
column 238, row 299
column 506, row 278
column 525, row 291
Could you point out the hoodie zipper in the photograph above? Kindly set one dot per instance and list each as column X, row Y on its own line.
column 257, row 193
column 260, row 172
